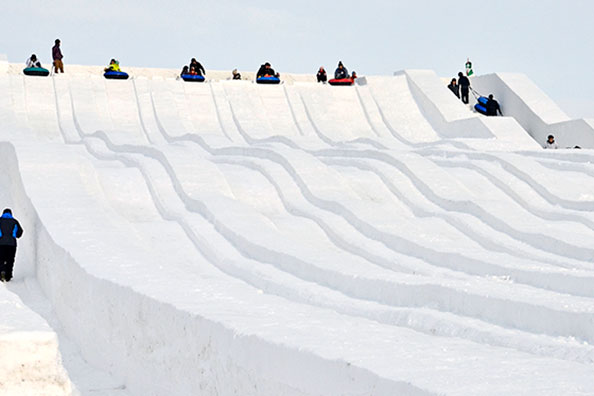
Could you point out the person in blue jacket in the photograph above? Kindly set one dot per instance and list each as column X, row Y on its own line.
column 10, row 230
column 341, row 72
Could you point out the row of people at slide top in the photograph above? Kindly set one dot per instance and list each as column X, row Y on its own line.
column 340, row 73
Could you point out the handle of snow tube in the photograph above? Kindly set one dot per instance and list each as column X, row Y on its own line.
column 476, row 94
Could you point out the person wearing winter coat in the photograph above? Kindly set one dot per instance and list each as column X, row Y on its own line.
column 33, row 61
column 185, row 70
column 57, row 57
column 551, row 143
column 196, row 68
column 492, row 107
column 322, row 76
column 10, row 231
column 464, row 84
column 236, row 75
column 454, row 87
column 266, row 70
column 341, row 72
column 114, row 66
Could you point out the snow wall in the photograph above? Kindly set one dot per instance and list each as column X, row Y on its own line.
column 521, row 99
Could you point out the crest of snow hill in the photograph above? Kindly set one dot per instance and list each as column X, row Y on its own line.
column 294, row 239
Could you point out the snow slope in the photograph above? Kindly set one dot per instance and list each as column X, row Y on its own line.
column 229, row 238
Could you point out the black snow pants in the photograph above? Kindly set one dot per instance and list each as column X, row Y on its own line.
column 7, row 254
column 464, row 92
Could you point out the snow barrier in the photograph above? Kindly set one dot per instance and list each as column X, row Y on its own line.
column 451, row 118
column 521, row 99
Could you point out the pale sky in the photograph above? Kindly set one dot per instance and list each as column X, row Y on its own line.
column 549, row 40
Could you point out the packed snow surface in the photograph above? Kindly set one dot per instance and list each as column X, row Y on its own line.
column 229, row 238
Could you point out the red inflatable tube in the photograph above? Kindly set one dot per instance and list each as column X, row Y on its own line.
column 341, row 81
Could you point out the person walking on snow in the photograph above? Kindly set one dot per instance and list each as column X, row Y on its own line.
column 33, row 61
column 469, row 71
column 464, row 84
column 550, row 143
column 57, row 57
column 455, row 88
column 492, row 107
column 341, row 72
column 10, row 230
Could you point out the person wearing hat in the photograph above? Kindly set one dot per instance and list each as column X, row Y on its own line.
column 10, row 230
column 57, row 57
column 551, row 143
column 341, row 72
column 33, row 61
column 266, row 70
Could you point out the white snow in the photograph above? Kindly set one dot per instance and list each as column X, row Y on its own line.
column 229, row 238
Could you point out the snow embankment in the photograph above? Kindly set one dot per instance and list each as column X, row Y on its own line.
column 30, row 358
column 521, row 99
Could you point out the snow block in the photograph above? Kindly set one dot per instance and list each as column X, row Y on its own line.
column 521, row 99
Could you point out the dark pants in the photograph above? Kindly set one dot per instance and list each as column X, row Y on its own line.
column 464, row 91
column 7, row 254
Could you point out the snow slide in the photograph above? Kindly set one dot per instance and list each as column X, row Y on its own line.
column 229, row 238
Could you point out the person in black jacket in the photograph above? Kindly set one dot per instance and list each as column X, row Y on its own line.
column 341, row 72
column 455, row 88
column 492, row 107
column 322, row 76
column 196, row 68
column 464, row 84
column 266, row 70
column 10, row 230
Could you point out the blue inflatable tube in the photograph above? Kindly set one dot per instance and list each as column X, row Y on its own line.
column 481, row 106
column 268, row 80
column 36, row 71
column 192, row 77
column 115, row 75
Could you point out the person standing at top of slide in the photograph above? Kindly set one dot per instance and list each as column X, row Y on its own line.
column 464, row 84
column 57, row 57
column 10, row 230
column 469, row 71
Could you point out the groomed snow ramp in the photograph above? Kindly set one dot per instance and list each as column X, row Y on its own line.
column 535, row 111
column 230, row 238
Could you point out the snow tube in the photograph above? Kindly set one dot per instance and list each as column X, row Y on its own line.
column 36, row 71
column 192, row 77
column 480, row 109
column 115, row 75
column 341, row 81
column 481, row 106
column 268, row 80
